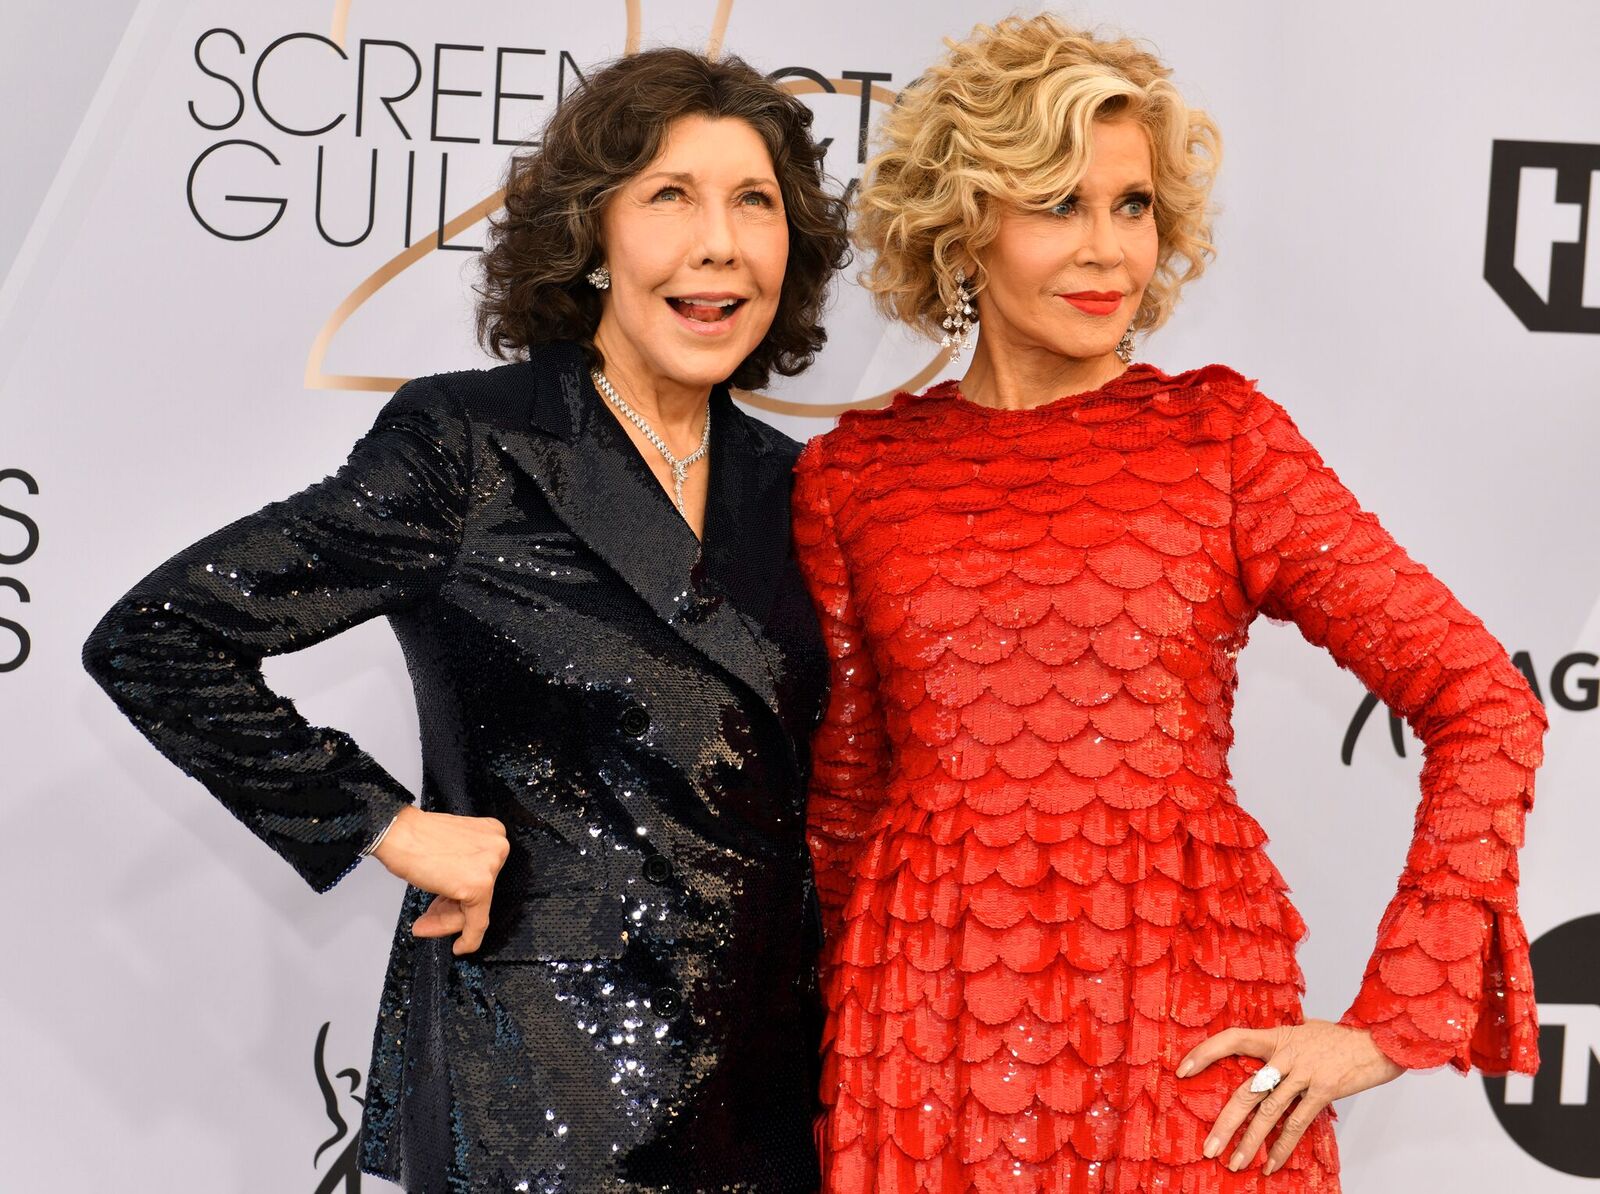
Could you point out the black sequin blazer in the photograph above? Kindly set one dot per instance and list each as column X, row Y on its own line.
column 635, row 708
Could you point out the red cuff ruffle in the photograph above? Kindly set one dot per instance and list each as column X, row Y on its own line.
column 1450, row 982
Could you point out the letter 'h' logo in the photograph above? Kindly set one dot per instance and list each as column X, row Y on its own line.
column 1543, row 250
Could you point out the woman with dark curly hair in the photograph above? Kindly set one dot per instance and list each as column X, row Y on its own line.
column 585, row 556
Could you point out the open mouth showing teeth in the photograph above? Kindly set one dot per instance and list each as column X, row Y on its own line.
column 706, row 310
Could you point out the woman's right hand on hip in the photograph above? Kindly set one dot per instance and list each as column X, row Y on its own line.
column 456, row 858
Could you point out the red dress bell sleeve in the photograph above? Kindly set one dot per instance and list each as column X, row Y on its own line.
column 1449, row 980
column 849, row 756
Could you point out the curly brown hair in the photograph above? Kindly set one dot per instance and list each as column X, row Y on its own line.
column 547, row 239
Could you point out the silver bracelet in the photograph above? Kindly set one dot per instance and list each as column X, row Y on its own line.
column 378, row 841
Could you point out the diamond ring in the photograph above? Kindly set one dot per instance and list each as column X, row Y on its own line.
column 1265, row 1079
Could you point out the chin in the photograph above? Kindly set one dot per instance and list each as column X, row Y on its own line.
column 1071, row 344
column 705, row 367
column 1079, row 351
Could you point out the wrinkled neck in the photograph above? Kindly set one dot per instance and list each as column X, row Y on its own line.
column 1017, row 378
column 677, row 412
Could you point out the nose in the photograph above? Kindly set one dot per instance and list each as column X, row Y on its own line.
column 716, row 243
column 1101, row 245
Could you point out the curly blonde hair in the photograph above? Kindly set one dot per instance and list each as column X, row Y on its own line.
column 1004, row 119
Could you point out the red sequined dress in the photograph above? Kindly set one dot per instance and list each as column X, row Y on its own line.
column 1038, row 887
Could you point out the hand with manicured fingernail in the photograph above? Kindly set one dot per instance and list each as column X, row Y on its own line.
column 1320, row 1061
column 455, row 858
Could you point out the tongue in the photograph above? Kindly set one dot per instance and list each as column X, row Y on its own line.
column 701, row 313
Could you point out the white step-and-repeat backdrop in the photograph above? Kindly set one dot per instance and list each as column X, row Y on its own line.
column 267, row 215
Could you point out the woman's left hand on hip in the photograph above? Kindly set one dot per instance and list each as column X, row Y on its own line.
column 1319, row 1062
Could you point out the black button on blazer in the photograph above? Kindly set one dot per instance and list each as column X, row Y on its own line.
column 633, row 705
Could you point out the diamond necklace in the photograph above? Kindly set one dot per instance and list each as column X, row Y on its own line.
column 680, row 468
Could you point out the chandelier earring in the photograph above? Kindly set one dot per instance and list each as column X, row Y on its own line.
column 599, row 278
column 958, row 321
column 1125, row 346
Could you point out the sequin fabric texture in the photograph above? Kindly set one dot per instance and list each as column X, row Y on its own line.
column 1038, row 887
column 643, row 1014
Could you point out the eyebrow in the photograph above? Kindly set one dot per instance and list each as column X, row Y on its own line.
column 679, row 176
column 1131, row 188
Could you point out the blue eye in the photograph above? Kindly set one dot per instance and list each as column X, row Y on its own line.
column 1140, row 204
column 1066, row 207
column 760, row 198
column 665, row 191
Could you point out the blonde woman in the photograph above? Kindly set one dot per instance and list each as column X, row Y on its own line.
column 1058, row 957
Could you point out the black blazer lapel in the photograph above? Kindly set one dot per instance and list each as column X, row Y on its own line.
column 591, row 475
column 747, row 512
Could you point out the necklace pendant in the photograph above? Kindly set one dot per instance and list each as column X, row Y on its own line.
column 680, row 468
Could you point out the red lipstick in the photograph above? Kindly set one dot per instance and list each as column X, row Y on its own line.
column 1095, row 302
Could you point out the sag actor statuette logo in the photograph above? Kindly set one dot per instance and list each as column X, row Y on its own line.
column 343, row 1174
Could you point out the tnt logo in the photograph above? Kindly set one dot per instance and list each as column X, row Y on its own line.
column 1555, row 1117
column 1543, row 251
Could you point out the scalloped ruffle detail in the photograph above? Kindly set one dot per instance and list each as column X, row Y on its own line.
column 1450, row 983
column 1039, row 890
